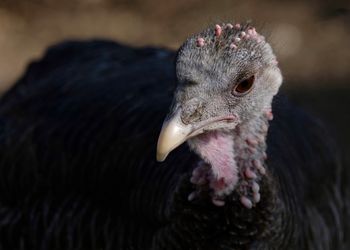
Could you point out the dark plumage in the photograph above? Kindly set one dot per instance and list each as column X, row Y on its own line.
column 78, row 139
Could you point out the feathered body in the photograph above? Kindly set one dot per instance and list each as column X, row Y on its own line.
column 78, row 139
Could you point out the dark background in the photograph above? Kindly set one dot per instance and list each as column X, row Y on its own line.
column 311, row 39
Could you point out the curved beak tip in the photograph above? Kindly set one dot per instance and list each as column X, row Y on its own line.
column 172, row 135
column 174, row 132
column 161, row 157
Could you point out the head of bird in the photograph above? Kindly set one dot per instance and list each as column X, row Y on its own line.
column 226, row 76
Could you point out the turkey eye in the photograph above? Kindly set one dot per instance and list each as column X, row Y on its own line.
column 244, row 86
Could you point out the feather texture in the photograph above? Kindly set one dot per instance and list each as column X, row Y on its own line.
column 78, row 139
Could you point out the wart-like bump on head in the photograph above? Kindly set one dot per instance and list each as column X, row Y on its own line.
column 200, row 42
column 227, row 77
column 230, row 26
column 218, row 30
column 217, row 66
column 239, row 44
column 233, row 46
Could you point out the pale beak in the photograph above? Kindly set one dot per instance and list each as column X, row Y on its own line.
column 174, row 132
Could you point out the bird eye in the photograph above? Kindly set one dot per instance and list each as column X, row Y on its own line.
column 244, row 86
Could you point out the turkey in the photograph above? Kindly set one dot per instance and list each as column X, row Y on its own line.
column 79, row 151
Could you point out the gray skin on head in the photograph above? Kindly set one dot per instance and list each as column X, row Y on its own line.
column 211, row 67
column 207, row 75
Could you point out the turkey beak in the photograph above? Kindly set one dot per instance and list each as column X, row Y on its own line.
column 173, row 133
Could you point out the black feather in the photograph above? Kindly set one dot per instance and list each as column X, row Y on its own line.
column 78, row 139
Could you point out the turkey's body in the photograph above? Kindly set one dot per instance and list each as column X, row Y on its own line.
column 78, row 139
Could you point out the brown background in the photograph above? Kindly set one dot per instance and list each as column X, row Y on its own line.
column 311, row 38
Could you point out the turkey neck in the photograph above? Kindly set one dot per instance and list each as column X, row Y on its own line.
column 257, row 190
column 235, row 159
column 250, row 156
column 252, row 213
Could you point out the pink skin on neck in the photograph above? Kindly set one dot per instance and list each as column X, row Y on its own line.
column 232, row 160
column 217, row 149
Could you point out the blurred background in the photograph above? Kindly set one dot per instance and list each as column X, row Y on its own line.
column 311, row 38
